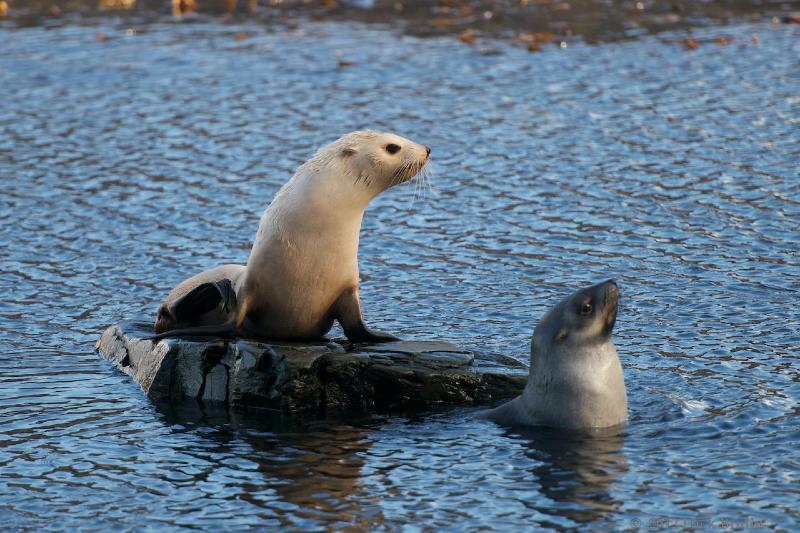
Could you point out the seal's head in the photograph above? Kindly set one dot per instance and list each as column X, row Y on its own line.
column 375, row 160
column 583, row 319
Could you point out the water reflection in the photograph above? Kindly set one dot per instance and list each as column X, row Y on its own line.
column 577, row 471
column 359, row 472
column 311, row 468
column 318, row 472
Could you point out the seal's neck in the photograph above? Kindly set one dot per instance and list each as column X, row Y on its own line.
column 584, row 388
column 331, row 189
column 314, row 203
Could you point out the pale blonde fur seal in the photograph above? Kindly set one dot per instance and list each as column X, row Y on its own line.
column 575, row 379
column 302, row 273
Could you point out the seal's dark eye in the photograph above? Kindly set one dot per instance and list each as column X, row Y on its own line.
column 392, row 148
column 586, row 308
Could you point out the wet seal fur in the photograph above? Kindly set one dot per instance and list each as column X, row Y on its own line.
column 302, row 273
column 575, row 379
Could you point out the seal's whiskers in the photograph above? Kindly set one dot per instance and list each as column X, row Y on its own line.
column 421, row 182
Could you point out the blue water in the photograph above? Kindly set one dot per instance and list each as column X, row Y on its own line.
column 131, row 163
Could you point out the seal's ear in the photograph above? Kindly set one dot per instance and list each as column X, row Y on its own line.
column 561, row 335
column 347, row 152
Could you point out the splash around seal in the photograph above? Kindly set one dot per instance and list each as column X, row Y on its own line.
column 575, row 379
column 302, row 273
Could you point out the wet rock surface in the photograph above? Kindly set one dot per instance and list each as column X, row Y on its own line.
column 330, row 376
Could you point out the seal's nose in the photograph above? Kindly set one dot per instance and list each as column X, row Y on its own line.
column 610, row 302
column 611, row 288
column 428, row 149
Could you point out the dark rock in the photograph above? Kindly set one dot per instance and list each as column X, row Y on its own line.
column 321, row 377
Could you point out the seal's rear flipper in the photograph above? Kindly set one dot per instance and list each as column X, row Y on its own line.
column 202, row 299
column 218, row 330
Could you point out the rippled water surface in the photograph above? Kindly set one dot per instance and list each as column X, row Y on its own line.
column 132, row 161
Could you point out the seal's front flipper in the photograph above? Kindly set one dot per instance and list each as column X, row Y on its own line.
column 347, row 310
column 361, row 333
column 509, row 414
column 202, row 299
